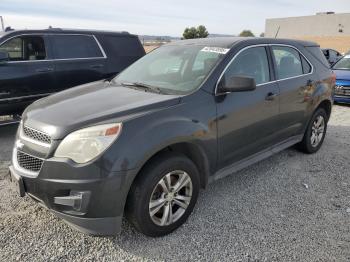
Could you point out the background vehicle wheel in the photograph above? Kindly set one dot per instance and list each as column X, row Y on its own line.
column 163, row 195
column 315, row 132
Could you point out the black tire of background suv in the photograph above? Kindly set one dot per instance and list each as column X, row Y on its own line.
column 305, row 145
column 137, row 206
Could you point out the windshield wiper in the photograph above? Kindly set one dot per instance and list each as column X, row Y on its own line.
column 142, row 85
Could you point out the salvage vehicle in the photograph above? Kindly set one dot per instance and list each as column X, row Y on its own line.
column 332, row 55
column 37, row 63
column 342, row 71
column 184, row 115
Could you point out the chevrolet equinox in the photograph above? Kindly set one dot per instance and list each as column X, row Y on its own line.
column 144, row 143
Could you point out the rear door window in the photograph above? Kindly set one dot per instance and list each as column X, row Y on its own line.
column 75, row 46
column 288, row 62
column 25, row 48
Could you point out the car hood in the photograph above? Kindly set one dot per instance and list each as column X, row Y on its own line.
column 91, row 104
column 342, row 74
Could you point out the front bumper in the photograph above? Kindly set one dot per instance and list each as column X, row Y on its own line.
column 88, row 198
column 342, row 99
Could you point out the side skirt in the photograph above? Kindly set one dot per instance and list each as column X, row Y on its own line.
column 257, row 157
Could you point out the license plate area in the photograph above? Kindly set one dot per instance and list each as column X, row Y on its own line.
column 17, row 182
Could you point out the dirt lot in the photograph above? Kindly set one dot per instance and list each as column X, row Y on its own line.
column 149, row 48
column 290, row 207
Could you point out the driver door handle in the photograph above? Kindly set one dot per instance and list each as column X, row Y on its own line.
column 309, row 82
column 44, row 70
column 97, row 66
column 270, row 96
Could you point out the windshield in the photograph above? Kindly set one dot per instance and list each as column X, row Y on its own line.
column 343, row 64
column 173, row 69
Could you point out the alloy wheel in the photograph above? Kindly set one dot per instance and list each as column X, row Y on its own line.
column 317, row 132
column 170, row 198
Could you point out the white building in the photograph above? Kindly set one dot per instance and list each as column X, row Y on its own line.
column 321, row 24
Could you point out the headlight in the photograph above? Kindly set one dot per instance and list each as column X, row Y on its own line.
column 84, row 145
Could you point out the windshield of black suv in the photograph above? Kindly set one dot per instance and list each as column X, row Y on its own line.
column 343, row 64
column 173, row 69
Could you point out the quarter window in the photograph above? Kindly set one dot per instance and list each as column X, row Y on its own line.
column 25, row 48
column 253, row 63
column 75, row 46
column 288, row 62
column 306, row 66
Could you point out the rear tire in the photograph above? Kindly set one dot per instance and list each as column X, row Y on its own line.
column 315, row 132
column 163, row 195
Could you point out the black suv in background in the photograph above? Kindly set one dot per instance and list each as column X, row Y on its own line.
column 37, row 63
column 184, row 115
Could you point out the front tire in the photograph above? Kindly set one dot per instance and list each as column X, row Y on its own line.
column 163, row 195
column 315, row 132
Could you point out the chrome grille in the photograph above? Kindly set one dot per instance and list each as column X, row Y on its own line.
column 342, row 90
column 36, row 135
column 29, row 162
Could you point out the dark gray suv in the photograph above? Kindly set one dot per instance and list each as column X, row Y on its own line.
column 186, row 114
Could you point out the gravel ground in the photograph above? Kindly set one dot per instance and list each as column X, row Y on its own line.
column 290, row 207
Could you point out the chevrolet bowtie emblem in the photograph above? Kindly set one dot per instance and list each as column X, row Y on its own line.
column 19, row 144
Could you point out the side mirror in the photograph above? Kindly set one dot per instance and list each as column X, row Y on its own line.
column 4, row 57
column 236, row 84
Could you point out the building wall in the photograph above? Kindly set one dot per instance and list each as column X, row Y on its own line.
column 339, row 43
column 320, row 25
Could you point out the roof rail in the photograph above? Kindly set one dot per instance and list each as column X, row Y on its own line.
column 54, row 28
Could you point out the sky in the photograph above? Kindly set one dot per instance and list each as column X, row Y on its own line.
column 159, row 17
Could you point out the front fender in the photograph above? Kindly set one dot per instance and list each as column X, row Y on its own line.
column 143, row 137
column 152, row 138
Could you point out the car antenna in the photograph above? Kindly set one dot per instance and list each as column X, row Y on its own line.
column 278, row 30
column 2, row 23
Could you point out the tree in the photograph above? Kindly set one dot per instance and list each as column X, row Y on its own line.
column 262, row 35
column 246, row 33
column 192, row 32
column 202, row 31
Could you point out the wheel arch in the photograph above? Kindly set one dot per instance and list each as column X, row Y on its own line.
column 192, row 151
column 326, row 105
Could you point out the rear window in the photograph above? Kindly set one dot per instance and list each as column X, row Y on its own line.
column 75, row 46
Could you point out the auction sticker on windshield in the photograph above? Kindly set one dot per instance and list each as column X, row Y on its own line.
column 219, row 50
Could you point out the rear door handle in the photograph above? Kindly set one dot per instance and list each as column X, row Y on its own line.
column 96, row 66
column 4, row 93
column 270, row 96
column 44, row 70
